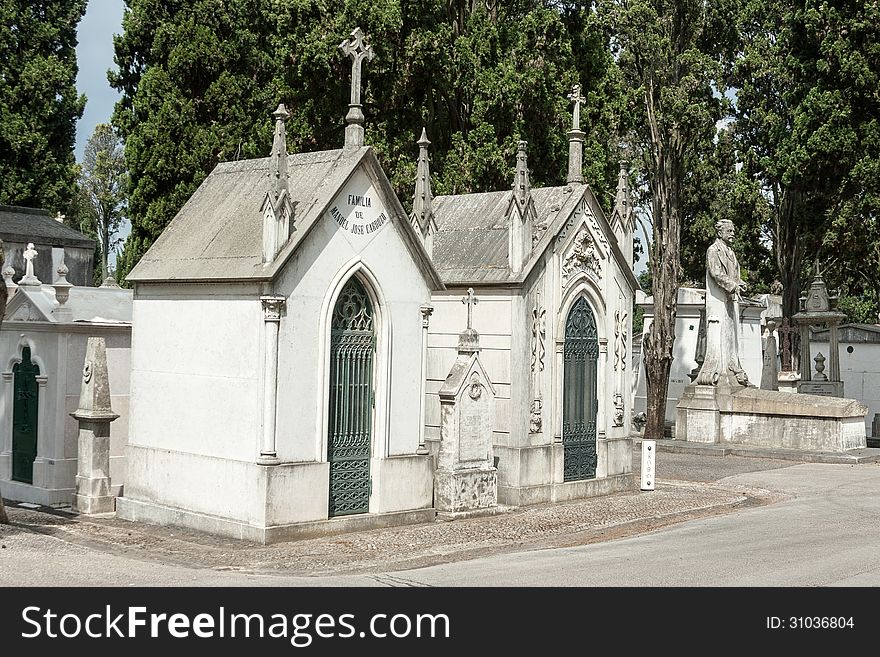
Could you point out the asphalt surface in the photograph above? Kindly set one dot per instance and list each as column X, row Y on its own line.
column 46, row 547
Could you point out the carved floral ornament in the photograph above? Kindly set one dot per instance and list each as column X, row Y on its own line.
column 618, row 409
column 538, row 335
column 582, row 256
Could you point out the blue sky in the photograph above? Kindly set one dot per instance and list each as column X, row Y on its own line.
column 94, row 55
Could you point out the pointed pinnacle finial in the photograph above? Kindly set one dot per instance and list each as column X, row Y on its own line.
column 521, row 185
column 423, row 199
column 278, row 170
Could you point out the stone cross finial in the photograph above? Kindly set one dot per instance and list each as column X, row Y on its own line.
column 29, row 254
column 576, row 97
column 356, row 48
column 471, row 300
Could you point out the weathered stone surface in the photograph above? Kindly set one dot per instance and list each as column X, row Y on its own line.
column 466, row 478
column 770, row 419
column 93, row 444
column 465, row 490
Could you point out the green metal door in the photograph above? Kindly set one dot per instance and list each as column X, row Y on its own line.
column 24, row 418
column 352, row 346
column 580, row 404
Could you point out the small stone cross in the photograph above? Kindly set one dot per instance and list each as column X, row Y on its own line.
column 356, row 48
column 576, row 97
column 471, row 300
column 29, row 254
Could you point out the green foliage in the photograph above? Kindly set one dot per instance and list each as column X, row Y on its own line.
column 39, row 105
column 672, row 56
column 861, row 309
column 807, row 129
column 200, row 78
column 103, row 181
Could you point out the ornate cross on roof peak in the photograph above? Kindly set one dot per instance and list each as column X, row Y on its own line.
column 471, row 300
column 576, row 97
column 356, row 47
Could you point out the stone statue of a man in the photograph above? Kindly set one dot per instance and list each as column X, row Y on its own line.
column 724, row 289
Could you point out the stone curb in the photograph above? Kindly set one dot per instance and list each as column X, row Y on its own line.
column 852, row 457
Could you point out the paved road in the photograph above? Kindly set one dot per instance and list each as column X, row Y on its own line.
column 825, row 533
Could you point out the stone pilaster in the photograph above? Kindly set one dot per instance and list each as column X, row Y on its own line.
column 273, row 306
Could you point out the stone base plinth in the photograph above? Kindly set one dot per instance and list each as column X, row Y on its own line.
column 93, row 495
column 767, row 418
column 465, row 490
column 92, row 505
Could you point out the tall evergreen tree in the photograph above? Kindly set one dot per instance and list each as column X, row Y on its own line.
column 199, row 78
column 104, row 183
column 39, row 104
column 808, row 125
column 672, row 55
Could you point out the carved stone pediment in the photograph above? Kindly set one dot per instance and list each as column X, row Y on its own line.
column 582, row 255
column 25, row 312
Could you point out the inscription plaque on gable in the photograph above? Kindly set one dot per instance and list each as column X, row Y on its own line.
column 357, row 209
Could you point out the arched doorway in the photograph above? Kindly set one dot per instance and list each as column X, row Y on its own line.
column 24, row 417
column 580, row 404
column 350, row 417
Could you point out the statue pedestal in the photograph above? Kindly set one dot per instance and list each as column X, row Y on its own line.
column 698, row 418
column 766, row 418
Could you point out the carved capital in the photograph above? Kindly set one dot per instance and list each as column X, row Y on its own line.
column 427, row 310
column 272, row 308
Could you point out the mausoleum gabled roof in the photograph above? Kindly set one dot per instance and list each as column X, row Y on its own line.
column 471, row 246
column 93, row 305
column 21, row 224
column 218, row 233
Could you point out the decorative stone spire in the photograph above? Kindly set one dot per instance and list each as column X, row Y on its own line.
column 277, row 208
column 423, row 200
column 522, row 188
column 623, row 200
column 356, row 47
column 520, row 213
column 576, row 139
column 93, row 443
column 279, row 152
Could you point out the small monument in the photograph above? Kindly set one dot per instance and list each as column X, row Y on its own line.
column 816, row 310
column 723, row 407
column 29, row 254
column 93, row 448
column 466, row 480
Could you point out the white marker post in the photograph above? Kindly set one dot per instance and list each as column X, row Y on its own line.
column 649, row 449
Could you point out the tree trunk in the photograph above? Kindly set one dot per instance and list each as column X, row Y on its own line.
column 667, row 164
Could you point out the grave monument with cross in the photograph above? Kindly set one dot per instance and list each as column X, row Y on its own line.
column 466, row 480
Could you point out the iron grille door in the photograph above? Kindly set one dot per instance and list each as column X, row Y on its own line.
column 24, row 418
column 352, row 345
column 580, row 403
